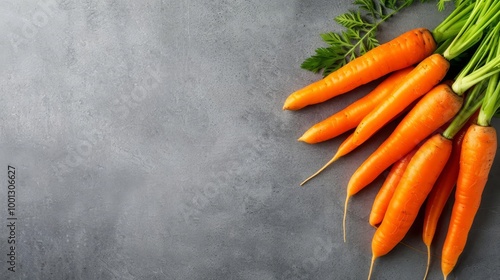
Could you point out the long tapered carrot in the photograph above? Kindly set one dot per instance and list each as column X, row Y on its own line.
column 478, row 152
column 386, row 192
column 407, row 49
column 423, row 78
column 432, row 111
column 351, row 116
column 411, row 192
column 440, row 193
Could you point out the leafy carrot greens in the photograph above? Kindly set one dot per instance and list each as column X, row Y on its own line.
column 359, row 36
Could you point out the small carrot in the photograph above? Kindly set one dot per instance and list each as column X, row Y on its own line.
column 352, row 115
column 411, row 192
column 432, row 111
column 477, row 155
column 386, row 192
column 407, row 49
column 426, row 75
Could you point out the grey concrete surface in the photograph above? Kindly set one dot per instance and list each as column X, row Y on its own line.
column 149, row 143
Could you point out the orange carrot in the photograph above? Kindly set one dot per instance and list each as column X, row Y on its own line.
column 407, row 49
column 411, row 192
column 436, row 108
column 345, row 147
column 386, row 192
column 352, row 115
column 478, row 152
column 423, row 78
column 440, row 193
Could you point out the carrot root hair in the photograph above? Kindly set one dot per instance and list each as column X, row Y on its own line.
column 428, row 261
column 320, row 170
column 371, row 266
column 345, row 216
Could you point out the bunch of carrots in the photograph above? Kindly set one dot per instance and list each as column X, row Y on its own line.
column 443, row 141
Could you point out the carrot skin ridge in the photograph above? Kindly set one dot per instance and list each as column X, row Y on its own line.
column 426, row 75
column 351, row 116
column 434, row 109
column 411, row 192
column 478, row 152
column 386, row 192
column 405, row 50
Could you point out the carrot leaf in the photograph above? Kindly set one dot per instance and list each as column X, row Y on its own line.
column 359, row 36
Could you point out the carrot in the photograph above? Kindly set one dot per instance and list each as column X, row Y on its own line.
column 345, row 147
column 432, row 111
column 386, row 192
column 439, row 196
column 411, row 192
column 447, row 179
column 423, row 78
column 478, row 152
column 407, row 49
column 352, row 115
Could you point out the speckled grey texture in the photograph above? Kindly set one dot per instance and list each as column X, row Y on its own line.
column 149, row 143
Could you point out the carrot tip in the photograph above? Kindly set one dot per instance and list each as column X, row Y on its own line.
column 371, row 266
column 320, row 170
column 345, row 216
column 428, row 261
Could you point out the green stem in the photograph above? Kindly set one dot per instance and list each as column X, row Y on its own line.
column 491, row 101
column 484, row 62
column 443, row 46
column 472, row 103
column 455, row 21
column 485, row 12
column 463, row 84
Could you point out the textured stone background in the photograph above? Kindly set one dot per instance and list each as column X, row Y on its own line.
column 149, row 143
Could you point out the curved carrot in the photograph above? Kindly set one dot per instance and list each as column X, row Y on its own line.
column 411, row 192
column 478, row 152
column 352, row 115
column 423, row 78
column 386, row 192
column 432, row 111
column 440, row 193
column 405, row 50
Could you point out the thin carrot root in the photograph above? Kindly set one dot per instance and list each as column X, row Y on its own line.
column 371, row 267
column 428, row 261
column 346, row 147
column 345, row 216
column 320, row 170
